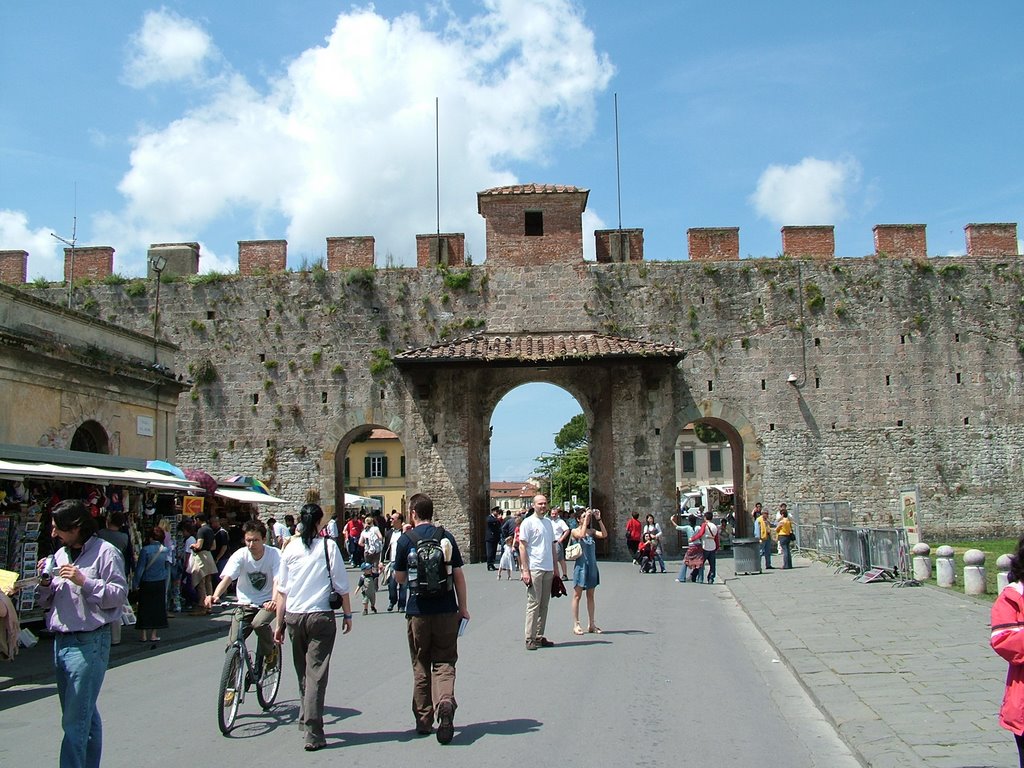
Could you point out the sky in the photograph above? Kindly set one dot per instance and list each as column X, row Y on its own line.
column 131, row 124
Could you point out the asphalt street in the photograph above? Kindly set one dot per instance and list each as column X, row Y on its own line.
column 680, row 677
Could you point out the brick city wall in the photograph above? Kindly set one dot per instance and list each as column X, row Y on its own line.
column 350, row 253
column 88, row 263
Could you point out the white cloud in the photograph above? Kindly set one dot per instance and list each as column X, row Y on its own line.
column 167, row 48
column 811, row 192
column 342, row 143
column 46, row 251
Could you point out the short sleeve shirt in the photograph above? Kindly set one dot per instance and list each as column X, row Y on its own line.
column 255, row 584
column 538, row 534
column 423, row 606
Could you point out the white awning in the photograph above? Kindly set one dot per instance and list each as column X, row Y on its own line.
column 137, row 478
column 726, row 489
column 249, row 497
column 352, row 500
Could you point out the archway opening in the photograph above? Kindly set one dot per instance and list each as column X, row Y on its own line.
column 369, row 473
column 539, row 442
column 709, row 472
column 90, row 437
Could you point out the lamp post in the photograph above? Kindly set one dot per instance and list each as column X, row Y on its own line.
column 159, row 263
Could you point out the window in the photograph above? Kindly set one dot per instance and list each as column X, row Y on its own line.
column 689, row 464
column 534, row 223
column 376, row 465
column 715, row 460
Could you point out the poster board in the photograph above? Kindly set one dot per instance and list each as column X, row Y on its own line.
column 908, row 507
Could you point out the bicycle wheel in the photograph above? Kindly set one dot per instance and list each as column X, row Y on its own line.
column 269, row 680
column 229, row 695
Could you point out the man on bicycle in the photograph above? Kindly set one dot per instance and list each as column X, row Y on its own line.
column 254, row 568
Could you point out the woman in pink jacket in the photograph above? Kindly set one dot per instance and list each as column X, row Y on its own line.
column 1008, row 641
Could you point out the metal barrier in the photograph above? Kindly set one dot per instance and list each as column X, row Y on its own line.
column 853, row 549
column 828, row 541
column 834, row 512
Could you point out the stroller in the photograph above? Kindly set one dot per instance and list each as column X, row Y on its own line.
column 645, row 554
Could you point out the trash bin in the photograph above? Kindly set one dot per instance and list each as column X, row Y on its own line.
column 745, row 556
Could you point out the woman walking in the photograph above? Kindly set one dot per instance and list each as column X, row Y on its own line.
column 784, row 530
column 151, row 582
column 1008, row 641
column 311, row 571
column 585, row 575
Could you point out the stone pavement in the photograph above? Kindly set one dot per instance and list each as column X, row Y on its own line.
column 905, row 675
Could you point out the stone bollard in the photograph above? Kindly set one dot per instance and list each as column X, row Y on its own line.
column 922, row 561
column 945, row 573
column 1003, row 571
column 974, row 572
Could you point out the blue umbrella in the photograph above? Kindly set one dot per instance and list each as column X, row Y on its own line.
column 165, row 466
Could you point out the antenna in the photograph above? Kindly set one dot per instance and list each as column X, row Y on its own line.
column 437, row 168
column 618, row 180
column 71, row 243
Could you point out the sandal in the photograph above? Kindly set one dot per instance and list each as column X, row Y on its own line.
column 594, row 629
column 577, row 629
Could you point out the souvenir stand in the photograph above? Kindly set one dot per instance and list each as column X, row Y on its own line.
column 33, row 481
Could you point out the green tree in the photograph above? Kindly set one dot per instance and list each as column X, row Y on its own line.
column 567, row 472
column 573, row 434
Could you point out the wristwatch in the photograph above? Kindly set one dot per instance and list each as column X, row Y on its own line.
column 347, row 616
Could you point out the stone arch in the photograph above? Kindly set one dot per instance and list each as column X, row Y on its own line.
column 333, row 461
column 743, row 442
column 90, row 437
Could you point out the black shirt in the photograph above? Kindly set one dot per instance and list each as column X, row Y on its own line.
column 446, row 603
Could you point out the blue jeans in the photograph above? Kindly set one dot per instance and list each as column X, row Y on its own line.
column 397, row 593
column 661, row 560
column 766, row 552
column 787, row 556
column 80, row 660
column 710, row 562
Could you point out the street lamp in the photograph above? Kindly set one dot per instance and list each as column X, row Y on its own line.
column 159, row 263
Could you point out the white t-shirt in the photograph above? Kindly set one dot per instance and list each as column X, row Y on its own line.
column 302, row 577
column 332, row 528
column 538, row 535
column 280, row 533
column 255, row 577
column 559, row 526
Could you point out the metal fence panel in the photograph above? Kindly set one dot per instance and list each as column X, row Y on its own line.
column 828, row 540
column 853, row 548
column 883, row 549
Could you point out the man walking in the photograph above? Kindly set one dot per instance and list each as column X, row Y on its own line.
column 82, row 588
column 764, row 535
column 492, row 537
column 428, row 559
column 537, row 555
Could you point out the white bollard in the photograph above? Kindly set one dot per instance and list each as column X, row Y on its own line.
column 974, row 572
column 945, row 573
column 1003, row 571
column 922, row 561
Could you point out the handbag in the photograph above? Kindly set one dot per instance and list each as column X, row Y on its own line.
column 574, row 551
column 335, row 599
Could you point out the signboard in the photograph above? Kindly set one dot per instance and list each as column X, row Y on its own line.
column 873, row 575
column 192, row 506
column 908, row 514
column 144, row 426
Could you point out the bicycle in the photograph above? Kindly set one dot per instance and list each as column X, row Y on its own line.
column 239, row 674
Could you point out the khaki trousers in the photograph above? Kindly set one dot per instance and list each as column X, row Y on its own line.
column 538, row 595
column 312, row 636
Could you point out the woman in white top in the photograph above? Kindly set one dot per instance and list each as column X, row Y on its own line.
column 371, row 541
column 655, row 530
column 311, row 570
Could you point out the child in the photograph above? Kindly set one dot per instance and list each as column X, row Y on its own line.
column 507, row 562
column 646, row 552
column 368, row 586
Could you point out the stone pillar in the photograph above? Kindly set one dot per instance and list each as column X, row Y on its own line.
column 1003, row 563
column 974, row 572
column 922, row 562
column 945, row 572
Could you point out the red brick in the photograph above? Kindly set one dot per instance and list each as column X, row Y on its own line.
column 991, row 239
column 91, row 263
column 262, row 256
column 13, row 266
column 815, row 242
column 619, row 245
column 713, row 243
column 561, row 209
column 453, row 249
column 900, row 241
column 355, row 252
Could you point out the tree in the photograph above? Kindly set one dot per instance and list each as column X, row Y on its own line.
column 568, row 471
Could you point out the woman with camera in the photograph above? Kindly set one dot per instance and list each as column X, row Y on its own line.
column 311, row 573
column 585, row 575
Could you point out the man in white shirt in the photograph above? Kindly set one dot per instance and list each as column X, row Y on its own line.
column 561, row 529
column 254, row 567
column 538, row 552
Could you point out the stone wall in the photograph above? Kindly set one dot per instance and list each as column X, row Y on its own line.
column 905, row 372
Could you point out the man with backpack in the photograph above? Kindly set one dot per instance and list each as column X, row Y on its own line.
column 428, row 559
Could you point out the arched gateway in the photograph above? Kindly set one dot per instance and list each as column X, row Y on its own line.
column 628, row 390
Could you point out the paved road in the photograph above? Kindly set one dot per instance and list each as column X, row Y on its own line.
column 680, row 677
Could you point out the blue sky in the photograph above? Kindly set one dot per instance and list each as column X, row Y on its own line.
column 198, row 121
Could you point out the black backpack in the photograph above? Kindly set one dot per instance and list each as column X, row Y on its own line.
column 433, row 578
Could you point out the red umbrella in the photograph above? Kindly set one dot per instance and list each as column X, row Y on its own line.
column 201, row 478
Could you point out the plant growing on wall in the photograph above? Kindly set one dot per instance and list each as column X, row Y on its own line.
column 457, row 281
column 203, row 371
column 815, row 299
column 380, row 361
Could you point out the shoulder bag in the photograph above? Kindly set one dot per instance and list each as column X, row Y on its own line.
column 574, row 551
column 335, row 598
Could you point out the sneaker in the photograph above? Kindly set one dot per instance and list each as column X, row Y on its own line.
column 445, row 727
column 543, row 642
column 391, row 608
column 531, row 645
